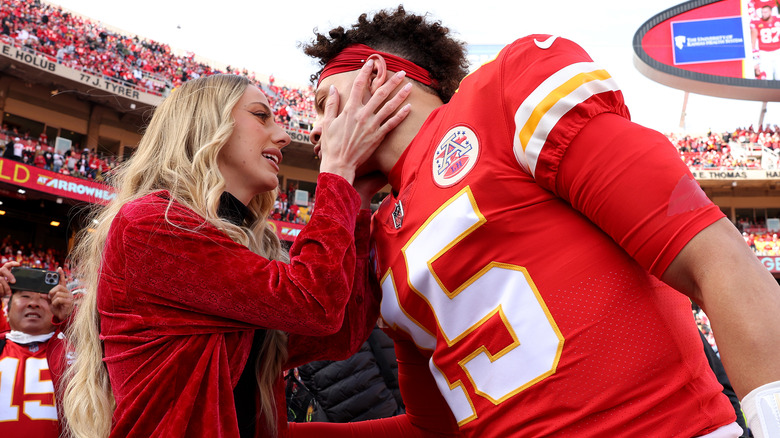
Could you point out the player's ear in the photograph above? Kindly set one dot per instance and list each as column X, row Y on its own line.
column 379, row 74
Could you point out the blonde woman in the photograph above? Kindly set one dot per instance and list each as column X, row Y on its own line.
column 188, row 287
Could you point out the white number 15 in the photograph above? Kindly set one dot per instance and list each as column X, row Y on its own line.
column 496, row 288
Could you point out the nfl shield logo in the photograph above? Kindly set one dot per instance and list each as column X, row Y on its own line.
column 398, row 215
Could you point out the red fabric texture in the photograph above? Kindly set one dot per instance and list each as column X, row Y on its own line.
column 4, row 326
column 607, row 167
column 28, row 422
column 353, row 57
column 179, row 301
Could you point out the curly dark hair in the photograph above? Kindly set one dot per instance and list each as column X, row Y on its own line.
column 412, row 37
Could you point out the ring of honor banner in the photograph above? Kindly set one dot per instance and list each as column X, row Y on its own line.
column 82, row 190
column 46, row 181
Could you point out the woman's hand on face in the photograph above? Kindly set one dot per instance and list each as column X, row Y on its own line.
column 349, row 138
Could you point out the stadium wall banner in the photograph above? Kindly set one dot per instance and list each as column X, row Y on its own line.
column 297, row 136
column 285, row 230
column 46, row 63
column 735, row 174
column 771, row 263
column 64, row 186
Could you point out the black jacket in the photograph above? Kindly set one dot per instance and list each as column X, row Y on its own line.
column 720, row 374
column 363, row 387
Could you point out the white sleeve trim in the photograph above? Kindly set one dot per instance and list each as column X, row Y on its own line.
column 762, row 409
column 537, row 116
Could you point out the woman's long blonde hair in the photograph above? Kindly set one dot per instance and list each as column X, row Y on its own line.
column 178, row 153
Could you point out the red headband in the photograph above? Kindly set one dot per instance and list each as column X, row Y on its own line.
column 353, row 57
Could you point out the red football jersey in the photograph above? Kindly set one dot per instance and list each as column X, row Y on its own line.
column 27, row 406
column 528, row 318
column 768, row 33
column 4, row 325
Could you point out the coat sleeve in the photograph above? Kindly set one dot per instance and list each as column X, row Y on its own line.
column 170, row 258
column 361, row 313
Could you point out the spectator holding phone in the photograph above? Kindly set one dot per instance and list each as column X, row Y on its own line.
column 187, row 286
column 32, row 357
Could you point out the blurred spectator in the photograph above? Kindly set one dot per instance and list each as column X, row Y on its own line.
column 18, row 149
column 704, row 326
column 29, row 256
column 8, row 152
column 39, row 160
column 57, row 161
column 48, row 157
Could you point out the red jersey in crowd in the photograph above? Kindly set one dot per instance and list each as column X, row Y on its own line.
column 29, row 410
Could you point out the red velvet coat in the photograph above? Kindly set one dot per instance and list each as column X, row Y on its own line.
column 178, row 303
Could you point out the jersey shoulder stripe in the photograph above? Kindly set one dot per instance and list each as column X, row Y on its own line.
column 541, row 111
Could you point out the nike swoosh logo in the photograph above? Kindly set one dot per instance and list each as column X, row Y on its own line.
column 544, row 45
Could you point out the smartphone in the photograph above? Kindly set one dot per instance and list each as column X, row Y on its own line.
column 34, row 280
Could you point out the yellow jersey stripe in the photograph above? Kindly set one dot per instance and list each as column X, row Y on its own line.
column 551, row 99
column 538, row 115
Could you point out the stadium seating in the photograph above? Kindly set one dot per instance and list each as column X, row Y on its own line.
column 133, row 61
column 744, row 148
column 28, row 256
column 153, row 67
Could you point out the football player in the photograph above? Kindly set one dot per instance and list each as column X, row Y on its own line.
column 765, row 40
column 538, row 250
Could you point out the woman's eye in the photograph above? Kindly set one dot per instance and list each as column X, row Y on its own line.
column 262, row 116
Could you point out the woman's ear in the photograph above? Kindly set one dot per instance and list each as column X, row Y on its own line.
column 379, row 74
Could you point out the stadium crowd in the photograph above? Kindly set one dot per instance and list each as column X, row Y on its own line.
column 76, row 162
column 714, row 150
column 31, row 256
column 139, row 63
column 150, row 66
column 763, row 242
